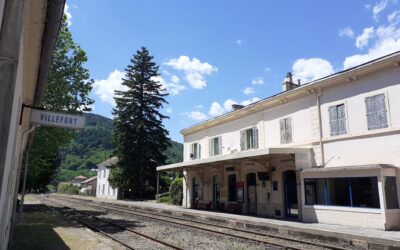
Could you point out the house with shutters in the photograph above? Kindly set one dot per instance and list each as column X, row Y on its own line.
column 326, row 151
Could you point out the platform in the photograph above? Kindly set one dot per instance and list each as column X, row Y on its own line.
column 39, row 227
column 365, row 238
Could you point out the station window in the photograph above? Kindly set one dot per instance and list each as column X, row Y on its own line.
column 249, row 139
column 285, row 125
column 195, row 151
column 348, row 192
column 215, row 146
column 376, row 112
column 337, row 120
column 391, row 193
column 232, row 187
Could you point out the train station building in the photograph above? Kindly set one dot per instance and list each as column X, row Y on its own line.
column 326, row 151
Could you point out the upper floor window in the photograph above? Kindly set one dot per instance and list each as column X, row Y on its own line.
column 195, row 151
column 376, row 112
column 104, row 173
column 286, row 130
column 337, row 119
column 249, row 138
column 215, row 146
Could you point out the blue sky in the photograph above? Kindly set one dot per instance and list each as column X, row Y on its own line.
column 215, row 53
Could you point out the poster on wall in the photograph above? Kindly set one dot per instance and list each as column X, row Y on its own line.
column 240, row 191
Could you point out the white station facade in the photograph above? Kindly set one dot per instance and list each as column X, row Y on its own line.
column 326, row 151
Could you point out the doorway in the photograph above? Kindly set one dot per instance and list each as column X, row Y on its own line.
column 195, row 196
column 216, row 192
column 251, row 193
column 291, row 204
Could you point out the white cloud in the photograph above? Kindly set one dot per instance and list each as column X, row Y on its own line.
column 197, row 115
column 216, row 109
column 239, row 42
column 194, row 70
column 199, row 106
column 169, row 110
column 311, row 69
column 250, row 101
column 267, row 69
column 378, row 8
column 347, row 32
column 362, row 40
column 393, row 16
column 258, row 81
column 68, row 14
column 228, row 104
column 248, row 91
column 386, row 40
column 105, row 88
column 173, row 87
column 75, row 6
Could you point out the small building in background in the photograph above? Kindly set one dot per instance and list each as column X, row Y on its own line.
column 88, row 187
column 104, row 189
column 77, row 180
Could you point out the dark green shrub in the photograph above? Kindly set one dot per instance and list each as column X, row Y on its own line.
column 176, row 191
column 67, row 188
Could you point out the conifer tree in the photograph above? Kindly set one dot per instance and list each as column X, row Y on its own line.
column 140, row 135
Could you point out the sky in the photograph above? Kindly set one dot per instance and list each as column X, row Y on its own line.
column 213, row 54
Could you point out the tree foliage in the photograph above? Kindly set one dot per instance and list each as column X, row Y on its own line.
column 139, row 134
column 176, row 191
column 67, row 89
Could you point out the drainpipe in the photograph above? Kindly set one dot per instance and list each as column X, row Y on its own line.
column 26, row 133
column 321, row 145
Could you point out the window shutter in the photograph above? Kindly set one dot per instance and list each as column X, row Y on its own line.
column 255, row 137
column 242, row 142
column 369, row 102
column 211, row 147
column 220, row 145
column 199, row 150
column 192, row 151
column 288, row 130
column 381, row 109
column 282, row 128
column 341, row 115
column 333, row 120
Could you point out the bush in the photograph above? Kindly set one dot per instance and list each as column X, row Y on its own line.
column 67, row 188
column 176, row 191
column 165, row 199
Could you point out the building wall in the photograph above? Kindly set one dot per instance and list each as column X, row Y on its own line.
column 104, row 189
column 358, row 146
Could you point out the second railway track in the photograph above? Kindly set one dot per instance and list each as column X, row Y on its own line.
column 282, row 242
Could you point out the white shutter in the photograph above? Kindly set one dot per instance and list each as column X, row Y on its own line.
column 199, row 150
column 191, row 151
column 211, row 147
column 220, row 145
column 242, row 140
column 255, row 137
column 341, row 115
column 288, row 126
column 282, row 129
column 333, row 120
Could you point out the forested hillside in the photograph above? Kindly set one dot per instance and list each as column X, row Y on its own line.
column 93, row 145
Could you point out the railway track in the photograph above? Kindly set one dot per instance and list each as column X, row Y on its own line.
column 260, row 237
column 123, row 235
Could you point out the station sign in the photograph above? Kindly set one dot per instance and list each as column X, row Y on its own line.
column 59, row 120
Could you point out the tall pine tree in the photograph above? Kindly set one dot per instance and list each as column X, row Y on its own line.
column 140, row 136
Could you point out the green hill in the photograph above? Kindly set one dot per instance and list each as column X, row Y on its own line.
column 93, row 144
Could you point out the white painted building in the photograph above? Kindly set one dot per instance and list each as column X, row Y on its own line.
column 104, row 189
column 327, row 151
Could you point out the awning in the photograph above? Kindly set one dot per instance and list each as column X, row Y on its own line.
column 349, row 168
column 256, row 154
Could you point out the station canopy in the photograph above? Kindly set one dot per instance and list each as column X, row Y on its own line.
column 257, row 155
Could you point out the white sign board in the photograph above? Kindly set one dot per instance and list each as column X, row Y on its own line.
column 60, row 120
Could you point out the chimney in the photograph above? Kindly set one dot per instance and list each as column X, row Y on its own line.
column 236, row 107
column 288, row 84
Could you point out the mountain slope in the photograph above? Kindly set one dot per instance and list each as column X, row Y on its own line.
column 93, row 144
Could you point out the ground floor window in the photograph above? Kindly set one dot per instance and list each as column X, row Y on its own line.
column 349, row 192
